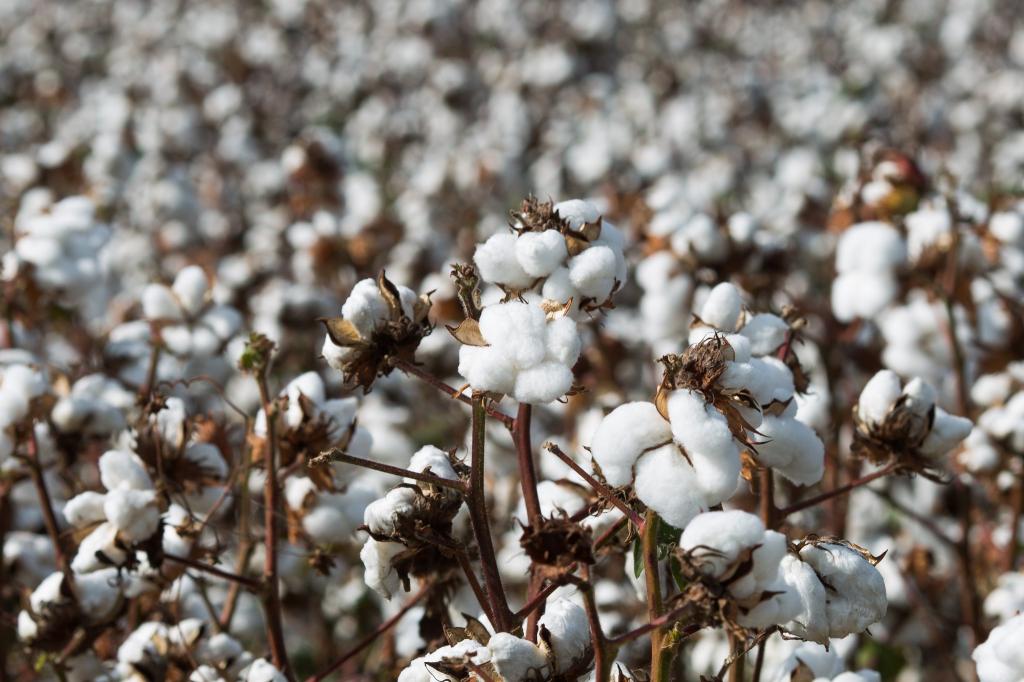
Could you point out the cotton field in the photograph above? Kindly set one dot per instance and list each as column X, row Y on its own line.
column 511, row 341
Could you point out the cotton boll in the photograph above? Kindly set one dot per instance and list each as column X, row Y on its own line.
column 870, row 247
column 861, row 295
column 577, row 212
column 496, row 260
column 487, row 369
column 102, row 541
column 133, row 512
column 417, row 671
column 926, row 228
column 98, row 593
column 717, row 539
column 190, row 287
column 878, row 396
column 766, row 333
column 378, row 573
column 261, row 670
column 1000, row 658
column 85, row 509
column 857, row 598
column 364, row 307
column 1007, row 599
column 327, row 524
column 516, row 660
column 811, row 623
column 559, row 287
column 919, row 396
column 381, row 515
column 666, row 483
column 435, row 459
column 625, row 433
column 542, row 383
column 563, row 343
column 159, row 303
column 592, row 272
column 566, row 622
column 540, row 253
column 792, row 448
column 721, row 308
column 946, row 432
column 699, row 427
column 517, row 330
column 120, row 469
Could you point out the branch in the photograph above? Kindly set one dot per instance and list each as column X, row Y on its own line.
column 372, row 637
column 250, row 583
column 336, row 455
column 49, row 518
column 451, row 392
column 601, row 489
column 841, row 490
column 528, row 482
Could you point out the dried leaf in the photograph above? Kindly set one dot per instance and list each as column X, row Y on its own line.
column 468, row 333
column 389, row 292
column 342, row 332
column 575, row 243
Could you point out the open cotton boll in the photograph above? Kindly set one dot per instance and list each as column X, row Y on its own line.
column 667, row 483
column 487, row 369
column 946, row 432
column 566, row 622
column 861, row 295
column 721, row 309
column 792, row 448
column 926, row 227
column 121, row 469
column 134, row 513
column 380, row 515
column 623, row 435
column 717, row 538
column 766, row 333
column 190, row 287
column 857, row 597
column 577, row 212
column 563, row 343
column 592, row 272
column 1000, row 658
column 811, row 623
column 559, row 287
column 870, row 247
column 417, row 671
column 820, row 662
column 919, row 396
column 555, row 499
column 159, row 303
column 878, row 396
column 497, row 263
column 99, row 593
column 540, row 253
column 85, row 509
column 517, row 329
column 378, row 574
column 699, row 427
column 434, row 459
column 515, row 659
column 542, row 383
column 262, row 670
column 102, row 541
column 1007, row 599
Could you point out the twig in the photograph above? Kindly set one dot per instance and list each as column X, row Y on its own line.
column 474, row 584
column 604, row 655
column 528, row 483
column 372, row 637
column 660, row 622
column 336, row 455
column 478, row 519
column 419, row 373
column 249, row 583
column 49, row 518
column 599, row 487
column 661, row 656
column 841, row 490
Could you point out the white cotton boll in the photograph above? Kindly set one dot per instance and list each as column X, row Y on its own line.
column 919, row 396
column 542, row 383
column 926, row 227
column 121, row 469
column 877, row 396
column 100, row 542
column 177, row 339
column 592, row 272
column 190, row 287
column 717, row 538
column 566, row 621
column 766, row 333
column 85, row 509
column 380, row 515
column 623, row 434
column 559, row 287
column 378, row 573
column 133, row 512
column 741, row 347
column 563, row 343
column 364, row 307
column 27, row 628
column 487, row 369
column 861, row 295
column 516, row 660
column 947, row 431
column 721, row 308
column 335, row 356
column 1007, row 599
column 612, row 237
column 435, row 459
column 309, row 385
column 1007, row 227
column 159, row 303
column 667, row 483
column 792, row 448
column 327, row 525
column 1000, row 658
column 417, row 671
column 577, row 212
column 699, row 427
column 821, row 662
column 261, row 670
column 496, row 260
column 857, row 599
column 870, row 247
column 297, row 490
column 812, row 622
column 541, row 253
column 99, row 593
column 517, row 329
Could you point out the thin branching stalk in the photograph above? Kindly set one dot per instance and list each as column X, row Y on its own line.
column 661, row 656
column 450, row 391
column 528, row 482
column 477, row 503
column 841, row 490
column 46, row 505
column 600, row 488
column 246, row 582
column 604, row 653
column 340, row 456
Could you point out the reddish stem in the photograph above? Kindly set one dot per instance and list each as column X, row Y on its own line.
column 49, row 518
column 841, row 490
column 250, row 583
column 450, row 391
column 601, row 489
column 339, row 456
column 528, row 482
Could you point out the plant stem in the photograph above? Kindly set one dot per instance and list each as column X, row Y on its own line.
column 670, row 617
column 154, row 362
column 339, row 456
column 245, row 543
column 450, row 391
column 478, row 519
column 271, row 589
column 661, row 657
column 49, row 518
column 767, row 497
column 1017, row 502
column 604, row 654
column 841, row 490
column 601, row 489
column 372, row 637
column 243, row 581
column 474, row 584
column 528, row 482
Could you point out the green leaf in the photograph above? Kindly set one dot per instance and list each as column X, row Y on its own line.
column 638, row 557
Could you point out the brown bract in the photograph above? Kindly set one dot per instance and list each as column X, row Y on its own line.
column 897, row 439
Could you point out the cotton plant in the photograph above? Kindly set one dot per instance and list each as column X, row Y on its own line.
column 96, row 405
